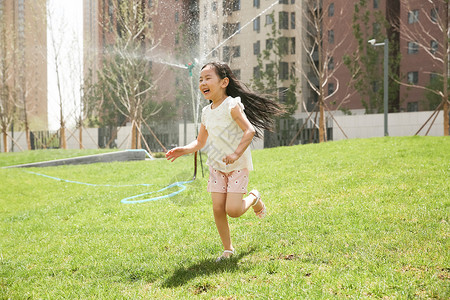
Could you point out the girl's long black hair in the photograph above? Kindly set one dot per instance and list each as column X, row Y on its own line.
column 259, row 110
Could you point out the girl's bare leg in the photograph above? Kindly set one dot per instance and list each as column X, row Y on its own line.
column 236, row 205
column 220, row 216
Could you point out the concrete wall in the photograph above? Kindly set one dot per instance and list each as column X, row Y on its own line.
column 354, row 126
column 90, row 139
column 89, row 136
column 20, row 139
column 399, row 124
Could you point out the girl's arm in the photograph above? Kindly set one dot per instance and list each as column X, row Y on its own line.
column 249, row 132
column 196, row 145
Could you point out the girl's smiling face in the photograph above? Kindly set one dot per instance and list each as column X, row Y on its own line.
column 211, row 85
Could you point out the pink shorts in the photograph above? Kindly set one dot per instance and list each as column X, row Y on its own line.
column 232, row 182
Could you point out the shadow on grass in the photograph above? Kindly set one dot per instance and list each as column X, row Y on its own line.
column 205, row 267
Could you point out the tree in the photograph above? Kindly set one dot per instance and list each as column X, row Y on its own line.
column 320, row 47
column 125, row 80
column 430, row 33
column 56, row 43
column 8, row 98
column 366, row 63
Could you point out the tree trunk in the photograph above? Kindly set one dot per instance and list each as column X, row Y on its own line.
column 27, row 133
column 446, row 71
column 81, row 136
column 62, row 136
column 5, row 141
column 446, row 119
column 133, row 135
column 321, row 122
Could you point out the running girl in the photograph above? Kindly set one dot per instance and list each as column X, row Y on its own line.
column 226, row 132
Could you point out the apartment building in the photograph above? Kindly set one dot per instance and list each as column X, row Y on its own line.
column 416, row 40
column 236, row 32
column 422, row 49
column 26, row 53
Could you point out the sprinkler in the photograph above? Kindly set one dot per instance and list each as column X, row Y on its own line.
column 190, row 66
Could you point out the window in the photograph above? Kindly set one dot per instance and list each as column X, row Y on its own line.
column 214, row 6
column 231, row 5
column 331, row 64
column 292, row 1
column 413, row 16
column 214, row 29
column 330, row 88
column 331, row 36
column 237, row 73
column 177, row 38
column 412, row 106
column 177, row 18
column 230, row 28
column 257, row 24
column 284, row 70
column 376, row 27
column 413, row 48
column 256, row 3
column 282, row 94
column 434, row 45
column 434, row 15
column 257, row 48
column 256, row 73
column 236, row 5
column 375, row 86
column 150, row 3
column 331, row 10
column 292, row 20
column 269, row 44
column 283, row 2
column 293, row 45
column 269, row 70
column 236, row 51
column 376, row 4
column 283, row 44
column 269, row 19
column 292, row 75
column 433, row 77
column 226, row 53
column 413, row 77
column 283, row 20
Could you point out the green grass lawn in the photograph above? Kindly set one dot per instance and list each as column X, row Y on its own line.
column 350, row 219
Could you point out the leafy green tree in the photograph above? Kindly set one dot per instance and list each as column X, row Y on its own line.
column 366, row 64
column 432, row 98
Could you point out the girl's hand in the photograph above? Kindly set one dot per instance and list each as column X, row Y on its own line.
column 229, row 159
column 174, row 153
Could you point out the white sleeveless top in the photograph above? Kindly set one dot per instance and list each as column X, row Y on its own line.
column 224, row 136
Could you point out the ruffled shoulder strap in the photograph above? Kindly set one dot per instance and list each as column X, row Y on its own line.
column 232, row 102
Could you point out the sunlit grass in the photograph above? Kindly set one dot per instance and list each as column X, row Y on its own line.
column 359, row 219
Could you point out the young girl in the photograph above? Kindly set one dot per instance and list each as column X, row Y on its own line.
column 227, row 131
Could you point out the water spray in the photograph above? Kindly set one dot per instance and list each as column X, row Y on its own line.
column 190, row 66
